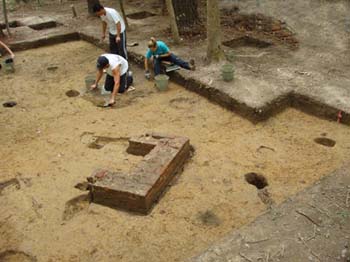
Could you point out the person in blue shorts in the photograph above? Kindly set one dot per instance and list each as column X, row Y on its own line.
column 158, row 51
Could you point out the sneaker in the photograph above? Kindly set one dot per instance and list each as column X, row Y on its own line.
column 192, row 65
column 130, row 89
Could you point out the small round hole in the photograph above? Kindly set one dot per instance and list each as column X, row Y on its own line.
column 9, row 104
column 257, row 180
column 72, row 93
column 325, row 141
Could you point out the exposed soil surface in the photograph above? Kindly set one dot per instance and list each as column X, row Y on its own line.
column 50, row 142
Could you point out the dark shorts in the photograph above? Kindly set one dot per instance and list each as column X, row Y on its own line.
column 125, row 82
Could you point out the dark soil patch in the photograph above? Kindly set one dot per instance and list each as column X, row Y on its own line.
column 325, row 141
column 72, row 93
column 95, row 145
column 247, row 41
column 13, row 181
column 209, row 218
column 12, row 24
column 258, row 25
column 74, row 206
column 140, row 15
column 257, row 180
column 14, row 255
column 9, row 104
column 42, row 26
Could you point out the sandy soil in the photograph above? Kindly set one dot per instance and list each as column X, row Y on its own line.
column 45, row 148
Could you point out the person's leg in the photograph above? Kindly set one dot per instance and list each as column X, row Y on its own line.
column 109, row 83
column 122, row 46
column 129, row 80
column 123, row 83
column 156, row 63
column 178, row 61
column 113, row 46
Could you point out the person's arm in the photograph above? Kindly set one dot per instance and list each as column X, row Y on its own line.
column 104, row 27
column 164, row 51
column 7, row 49
column 119, row 29
column 116, row 75
column 165, row 55
column 146, row 64
column 147, row 57
column 99, row 75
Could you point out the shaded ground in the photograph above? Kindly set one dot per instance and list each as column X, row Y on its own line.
column 46, row 147
column 312, row 226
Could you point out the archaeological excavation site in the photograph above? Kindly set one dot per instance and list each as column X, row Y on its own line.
column 169, row 130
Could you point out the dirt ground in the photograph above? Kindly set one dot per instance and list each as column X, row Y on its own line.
column 45, row 150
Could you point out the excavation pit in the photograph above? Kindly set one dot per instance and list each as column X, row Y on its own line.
column 203, row 205
column 140, row 15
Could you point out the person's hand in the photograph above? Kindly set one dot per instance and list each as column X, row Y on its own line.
column 117, row 39
column 94, row 86
column 103, row 37
column 13, row 56
column 156, row 56
column 147, row 75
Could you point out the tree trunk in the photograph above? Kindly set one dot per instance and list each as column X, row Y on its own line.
column 163, row 5
column 173, row 24
column 214, row 51
column 91, row 3
column 186, row 13
column 121, row 6
column 5, row 17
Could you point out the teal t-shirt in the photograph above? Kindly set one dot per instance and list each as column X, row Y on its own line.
column 162, row 49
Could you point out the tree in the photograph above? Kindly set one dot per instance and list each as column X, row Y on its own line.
column 214, row 51
column 91, row 3
column 186, row 13
column 121, row 6
column 5, row 17
column 173, row 24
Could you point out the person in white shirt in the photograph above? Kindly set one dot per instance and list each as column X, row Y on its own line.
column 116, row 27
column 118, row 79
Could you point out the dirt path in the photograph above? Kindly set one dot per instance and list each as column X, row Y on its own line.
column 45, row 148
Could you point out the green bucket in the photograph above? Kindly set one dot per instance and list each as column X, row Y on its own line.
column 162, row 82
column 9, row 65
column 227, row 72
column 230, row 56
column 89, row 81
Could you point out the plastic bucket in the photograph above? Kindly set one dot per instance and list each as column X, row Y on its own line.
column 162, row 82
column 230, row 56
column 227, row 72
column 9, row 65
column 89, row 81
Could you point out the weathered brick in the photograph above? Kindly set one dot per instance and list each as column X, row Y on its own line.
column 164, row 156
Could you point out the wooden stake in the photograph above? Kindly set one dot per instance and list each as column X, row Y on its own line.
column 5, row 17
column 74, row 11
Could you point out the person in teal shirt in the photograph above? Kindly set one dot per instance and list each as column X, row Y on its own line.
column 161, row 52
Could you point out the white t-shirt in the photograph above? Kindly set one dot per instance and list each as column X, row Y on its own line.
column 112, row 17
column 114, row 61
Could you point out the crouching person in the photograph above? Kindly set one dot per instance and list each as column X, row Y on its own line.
column 159, row 51
column 118, row 79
